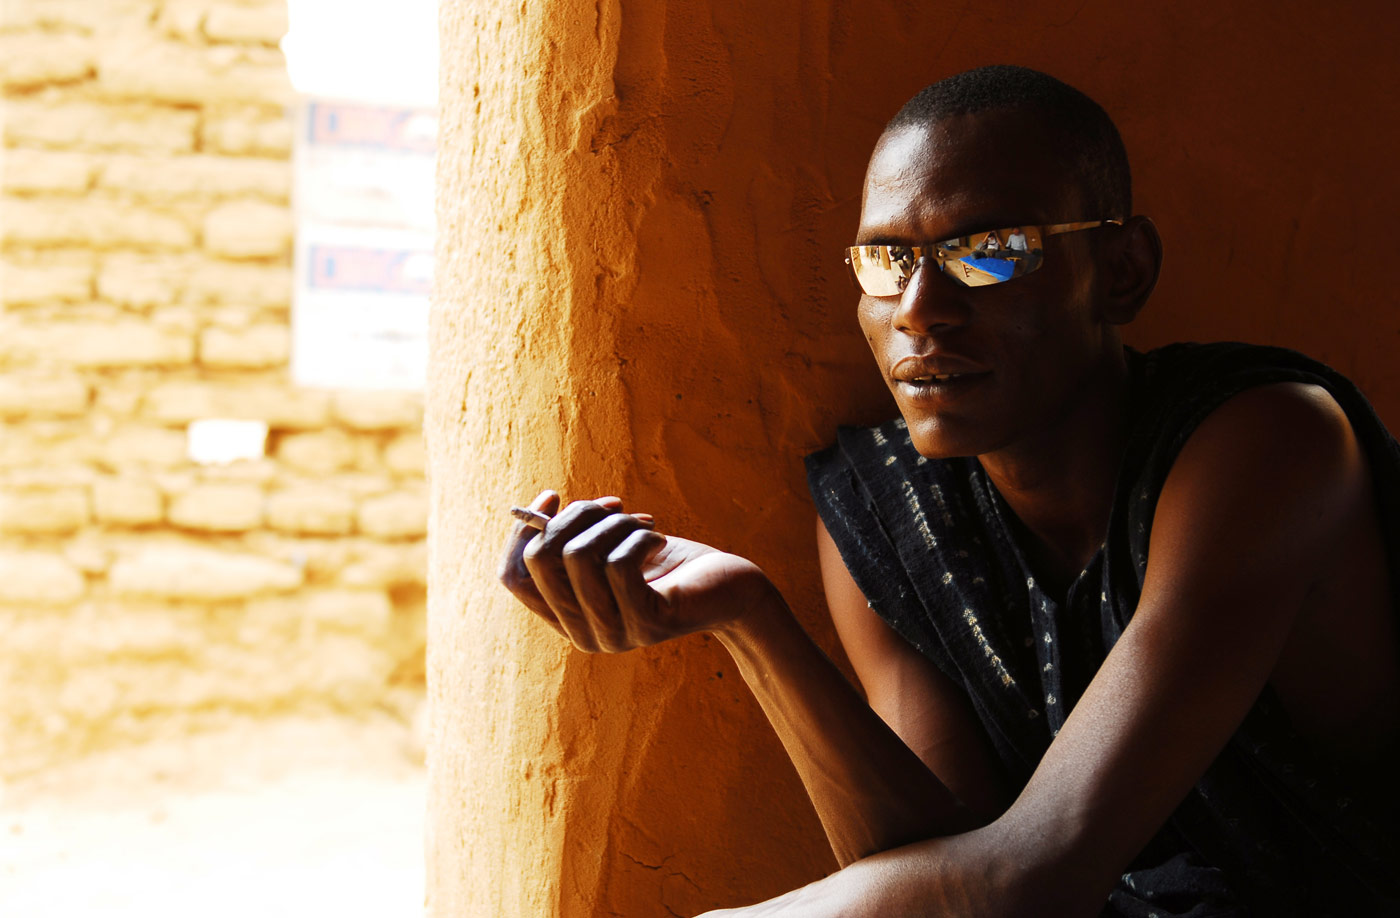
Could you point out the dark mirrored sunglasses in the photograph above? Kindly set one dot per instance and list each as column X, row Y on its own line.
column 975, row 260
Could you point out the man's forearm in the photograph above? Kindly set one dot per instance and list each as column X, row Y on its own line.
column 871, row 792
column 977, row 874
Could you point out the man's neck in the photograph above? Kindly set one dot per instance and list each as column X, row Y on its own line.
column 1059, row 482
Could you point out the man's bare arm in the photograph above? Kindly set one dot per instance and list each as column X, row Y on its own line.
column 604, row 581
column 1248, row 523
column 930, row 713
column 870, row 790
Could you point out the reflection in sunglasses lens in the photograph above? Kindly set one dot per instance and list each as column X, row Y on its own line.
column 977, row 260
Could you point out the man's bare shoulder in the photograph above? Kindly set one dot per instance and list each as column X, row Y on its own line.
column 1275, row 482
column 1278, row 447
column 1298, row 421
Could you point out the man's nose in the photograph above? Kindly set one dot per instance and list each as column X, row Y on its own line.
column 929, row 302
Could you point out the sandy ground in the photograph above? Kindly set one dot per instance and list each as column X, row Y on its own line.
column 283, row 818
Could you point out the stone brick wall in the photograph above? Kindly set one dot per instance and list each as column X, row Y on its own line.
column 145, row 272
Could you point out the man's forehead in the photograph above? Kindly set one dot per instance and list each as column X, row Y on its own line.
column 985, row 167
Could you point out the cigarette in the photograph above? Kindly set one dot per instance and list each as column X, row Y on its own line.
column 532, row 518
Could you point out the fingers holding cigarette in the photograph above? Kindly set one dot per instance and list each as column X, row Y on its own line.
column 563, row 563
column 513, row 572
column 537, row 520
column 608, row 582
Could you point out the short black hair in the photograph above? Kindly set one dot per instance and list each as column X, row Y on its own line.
column 1089, row 138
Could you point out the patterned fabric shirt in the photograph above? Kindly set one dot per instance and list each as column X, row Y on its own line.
column 1269, row 829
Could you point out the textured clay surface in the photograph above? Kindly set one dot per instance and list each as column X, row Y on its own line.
column 640, row 293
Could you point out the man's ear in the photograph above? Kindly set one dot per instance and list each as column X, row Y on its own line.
column 1135, row 260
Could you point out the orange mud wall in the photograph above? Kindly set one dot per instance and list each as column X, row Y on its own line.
column 640, row 293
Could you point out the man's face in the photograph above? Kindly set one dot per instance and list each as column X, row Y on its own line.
column 1012, row 358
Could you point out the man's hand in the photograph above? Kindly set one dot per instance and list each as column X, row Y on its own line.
column 607, row 582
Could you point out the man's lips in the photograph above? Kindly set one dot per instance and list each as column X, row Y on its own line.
column 931, row 369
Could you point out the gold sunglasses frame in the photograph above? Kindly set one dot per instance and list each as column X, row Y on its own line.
column 939, row 252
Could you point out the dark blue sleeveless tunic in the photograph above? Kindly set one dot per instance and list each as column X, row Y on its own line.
column 1269, row 830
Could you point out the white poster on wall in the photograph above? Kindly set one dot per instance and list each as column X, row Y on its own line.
column 364, row 245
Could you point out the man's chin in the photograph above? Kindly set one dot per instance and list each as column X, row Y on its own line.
column 942, row 442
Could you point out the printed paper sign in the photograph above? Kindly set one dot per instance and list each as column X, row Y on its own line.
column 364, row 248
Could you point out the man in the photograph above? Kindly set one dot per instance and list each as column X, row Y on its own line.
column 1124, row 623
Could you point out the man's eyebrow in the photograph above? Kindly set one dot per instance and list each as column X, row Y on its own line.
column 999, row 222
